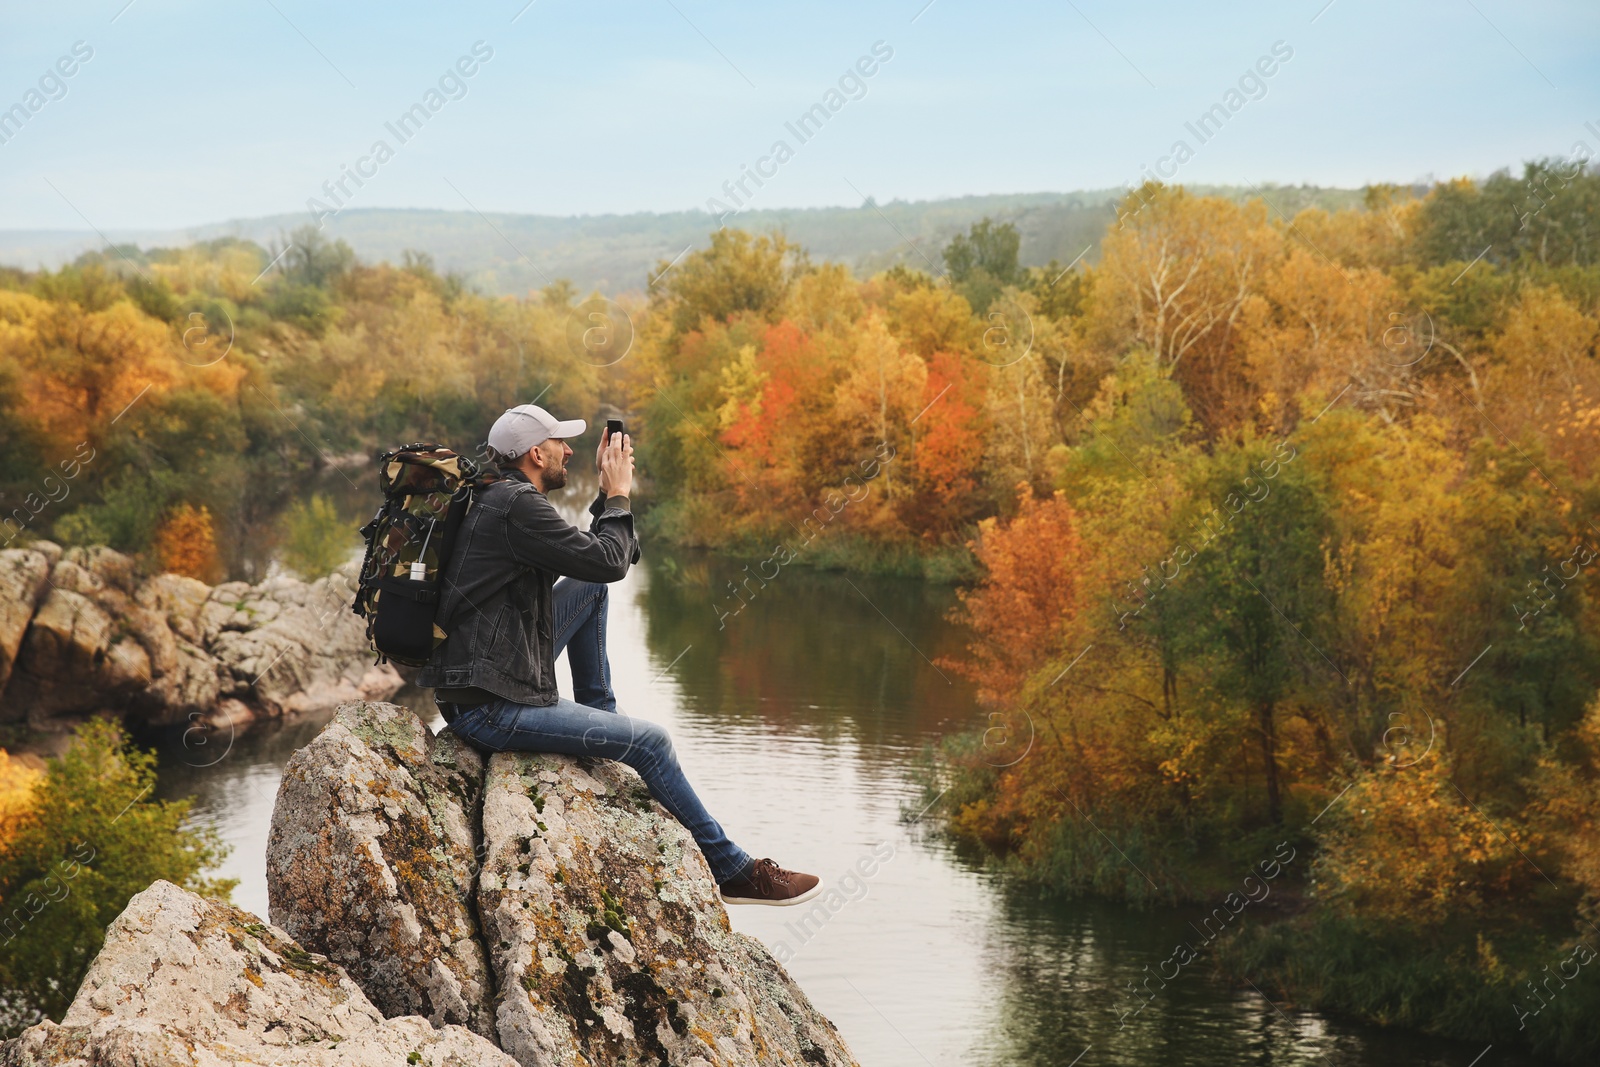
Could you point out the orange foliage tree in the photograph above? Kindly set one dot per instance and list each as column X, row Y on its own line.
column 951, row 433
column 186, row 543
column 1030, row 590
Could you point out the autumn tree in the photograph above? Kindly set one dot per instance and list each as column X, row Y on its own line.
column 1175, row 275
column 83, row 368
column 776, row 417
column 186, row 544
column 1029, row 593
column 737, row 273
column 1251, row 616
column 1315, row 327
column 1542, row 361
column 947, row 453
column 1405, row 847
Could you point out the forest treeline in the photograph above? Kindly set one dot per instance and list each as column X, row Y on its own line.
column 1278, row 532
column 171, row 403
column 1313, row 575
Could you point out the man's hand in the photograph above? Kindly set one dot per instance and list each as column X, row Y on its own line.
column 616, row 465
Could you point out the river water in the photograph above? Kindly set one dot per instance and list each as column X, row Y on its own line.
column 801, row 720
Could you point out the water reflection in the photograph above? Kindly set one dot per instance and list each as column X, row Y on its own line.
column 1063, row 972
column 824, row 655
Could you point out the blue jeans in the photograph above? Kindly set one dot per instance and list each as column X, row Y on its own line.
column 576, row 728
column 580, row 620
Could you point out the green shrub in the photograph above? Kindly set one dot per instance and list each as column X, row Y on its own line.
column 315, row 538
column 125, row 517
column 92, row 839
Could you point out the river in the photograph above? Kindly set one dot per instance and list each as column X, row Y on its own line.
column 801, row 720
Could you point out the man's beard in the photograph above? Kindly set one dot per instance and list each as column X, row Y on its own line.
column 555, row 479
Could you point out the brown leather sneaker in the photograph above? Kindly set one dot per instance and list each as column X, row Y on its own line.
column 767, row 883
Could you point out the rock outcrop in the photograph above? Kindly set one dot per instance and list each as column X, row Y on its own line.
column 81, row 632
column 371, row 860
column 186, row 981
column 605, row 937
column 608, row 936
column 23, row 578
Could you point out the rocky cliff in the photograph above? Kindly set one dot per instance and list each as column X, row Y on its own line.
column 434, row 908
column 81, row 631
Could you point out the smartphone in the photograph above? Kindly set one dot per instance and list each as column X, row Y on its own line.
column 613, row 426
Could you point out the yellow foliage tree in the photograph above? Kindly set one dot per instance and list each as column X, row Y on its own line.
column 1543, row 378
column 1175, row 276
column 1567, row 808
column 18, row 776
column 186, row 544
column 1407, row 846
column 81, row 369
column 1314, row 328
column 879, row 397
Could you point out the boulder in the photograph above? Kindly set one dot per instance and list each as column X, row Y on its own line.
column 116, row 570
column 71, row 574
column 59, row 663
column 146, row 669
column 178, row 599
column 234, row 606
column 187, row 687
column 608, row 938
column 50, row 549
column 183, row 980
column 70, row 634
column 126, row 666
column 605, row 937
column 24, row 573
column 370, row 860
column 295, row 647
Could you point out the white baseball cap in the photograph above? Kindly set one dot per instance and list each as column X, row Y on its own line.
column 527, row 425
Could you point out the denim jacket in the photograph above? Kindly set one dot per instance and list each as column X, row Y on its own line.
column 495, row 605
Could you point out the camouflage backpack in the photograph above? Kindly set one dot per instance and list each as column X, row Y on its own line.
column 426, row 491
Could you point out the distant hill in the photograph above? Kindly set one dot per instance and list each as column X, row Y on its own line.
column 511, row 254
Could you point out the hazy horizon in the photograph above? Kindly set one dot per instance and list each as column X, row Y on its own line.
column 178, row 115
column 514, row 253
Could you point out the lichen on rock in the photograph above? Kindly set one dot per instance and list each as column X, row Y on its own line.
column 371, row 861
column 603, row 930
column 609, row 939
column 187, row 981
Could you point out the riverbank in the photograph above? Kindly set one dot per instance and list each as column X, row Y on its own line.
column 85, row 632
column 820, row 549
column 1256, row 918
column 1533, row 984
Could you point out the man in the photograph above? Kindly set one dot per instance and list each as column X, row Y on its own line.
column 506, row 619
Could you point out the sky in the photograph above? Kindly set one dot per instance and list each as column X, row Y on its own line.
column 187, row 113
